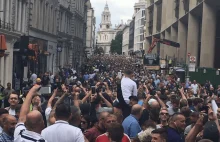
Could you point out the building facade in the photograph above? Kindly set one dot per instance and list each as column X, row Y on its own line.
column 13, row 24
column 192, row 23
column 43, row 23
column 106, row 33
column 90, row 33
column 79, row 20
column 65, row 33
column 54, row 29
column 139, row 30
column 125, row 42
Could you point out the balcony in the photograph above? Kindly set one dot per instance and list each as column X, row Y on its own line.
column 199, row 1
column 6, row 26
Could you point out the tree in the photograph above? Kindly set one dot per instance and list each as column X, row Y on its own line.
column 99, row 51
column 116, row 45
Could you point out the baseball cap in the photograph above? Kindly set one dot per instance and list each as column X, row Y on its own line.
column 211, row 131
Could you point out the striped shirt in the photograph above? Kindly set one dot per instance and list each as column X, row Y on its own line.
column 21, row 134
column 5, row 137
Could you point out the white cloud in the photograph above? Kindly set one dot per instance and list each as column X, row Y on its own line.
column 120, row 10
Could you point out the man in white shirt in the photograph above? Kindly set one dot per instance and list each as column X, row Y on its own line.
column 13, row 101
column 128, row 86
column 195, row 88
column 62, row 131
column 30, row 124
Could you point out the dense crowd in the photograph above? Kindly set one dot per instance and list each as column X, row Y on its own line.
column 112, row 99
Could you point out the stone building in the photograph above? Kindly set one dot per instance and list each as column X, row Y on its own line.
column 105, row 33
column 13, row 24
column 90, row 33
column 192, row 23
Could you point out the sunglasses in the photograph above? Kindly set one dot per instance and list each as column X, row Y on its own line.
column 164, row 113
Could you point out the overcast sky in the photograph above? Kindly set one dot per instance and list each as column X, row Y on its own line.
column 120, row 10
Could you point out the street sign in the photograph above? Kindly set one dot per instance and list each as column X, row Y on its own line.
column 192, row 67
column 192, row 59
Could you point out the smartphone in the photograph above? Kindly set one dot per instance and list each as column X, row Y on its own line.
column 93, row 90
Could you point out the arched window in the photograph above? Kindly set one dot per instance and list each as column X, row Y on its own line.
column 104, row 17
column 107, row 18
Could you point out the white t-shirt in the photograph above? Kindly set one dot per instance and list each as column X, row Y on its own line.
column 129, row 88
column 12, row 112
column 61, row 131
column 194, row 88
column 47, row 115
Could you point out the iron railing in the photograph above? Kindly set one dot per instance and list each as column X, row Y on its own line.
column 6, row 26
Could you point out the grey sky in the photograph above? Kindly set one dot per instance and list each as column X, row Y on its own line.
column 120, row 10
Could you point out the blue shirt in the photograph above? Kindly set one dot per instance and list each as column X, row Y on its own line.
column 6, row 138
column 174, row 136
column 86, row 77
column 131, row 126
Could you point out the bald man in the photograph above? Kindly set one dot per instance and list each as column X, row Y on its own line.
column 92, row 133
column 8, row 123
column 130, row 124
column 30, row 124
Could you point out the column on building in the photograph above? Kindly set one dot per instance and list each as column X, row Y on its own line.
column 182, row 40
column 164, row 7
column 167, row 49
column 2, row 67
column 23, row 17
column 162, row 50
column 155, row 19
column 19, row 15
column 7, row 13
column 16, row 14
column 208, row 36
column 193, row 35
column 174, row 37
column 1, row 9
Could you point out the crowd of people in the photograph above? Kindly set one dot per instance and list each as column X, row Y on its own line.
column 112, row 99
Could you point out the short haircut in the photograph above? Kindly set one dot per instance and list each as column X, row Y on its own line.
column 62, row 111
column 35, row 95
column 3, row 111
column 162, row 132
column 186, row 111
column 116, row 132
column 13, row 92
column 136, row 111
column 110, row 115
column 129, row 72
column 196, row 101
column 174, row 116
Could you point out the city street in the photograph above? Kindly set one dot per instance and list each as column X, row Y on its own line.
column 109, row 71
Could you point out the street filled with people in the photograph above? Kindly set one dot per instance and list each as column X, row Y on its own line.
column 111, row 99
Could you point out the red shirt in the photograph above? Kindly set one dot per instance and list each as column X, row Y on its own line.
column 104, row 138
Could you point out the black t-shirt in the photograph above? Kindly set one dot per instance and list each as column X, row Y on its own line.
column 144, row 117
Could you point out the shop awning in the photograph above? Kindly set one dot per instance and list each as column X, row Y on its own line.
column 3, row 43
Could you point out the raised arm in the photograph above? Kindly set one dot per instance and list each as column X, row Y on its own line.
column 105, row 101
column 25, row 108
column 49, row 104
column 162, row 104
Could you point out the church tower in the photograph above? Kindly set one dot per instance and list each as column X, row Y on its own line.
column 106, row 18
